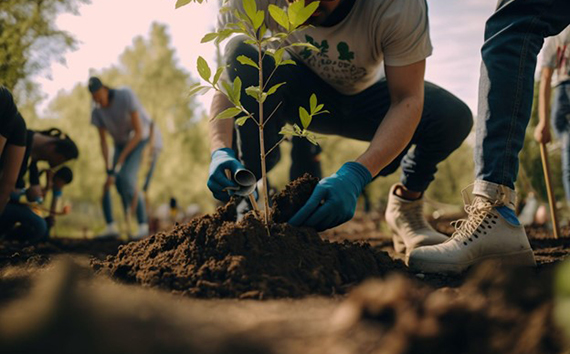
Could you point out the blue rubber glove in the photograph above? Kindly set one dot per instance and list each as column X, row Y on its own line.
column 333, row 201
column 222, row 159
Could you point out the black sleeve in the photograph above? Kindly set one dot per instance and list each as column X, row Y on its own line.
column 17, row 135
column 8, row 111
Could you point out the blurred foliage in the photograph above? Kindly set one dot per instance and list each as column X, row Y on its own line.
column 562, row 299
column 30, row 40
column 150, row 68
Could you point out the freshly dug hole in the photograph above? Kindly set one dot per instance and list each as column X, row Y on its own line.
column 213, row 256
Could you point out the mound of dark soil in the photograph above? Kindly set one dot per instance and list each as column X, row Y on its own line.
column 213, row 256
column 497, row 310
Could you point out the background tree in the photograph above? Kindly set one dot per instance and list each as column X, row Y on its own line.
column 30, row 40
column 149, row 66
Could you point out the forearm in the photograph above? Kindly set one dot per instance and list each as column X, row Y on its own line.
column 131, row 145
column 544, row 103
column 53, row 206
column 220, row 130
column 393, row 135
column 105, row 154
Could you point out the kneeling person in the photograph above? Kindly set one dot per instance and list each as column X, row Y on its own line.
column 357, row 39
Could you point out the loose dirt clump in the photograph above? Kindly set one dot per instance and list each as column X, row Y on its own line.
column 213, row 256
column 497, row 310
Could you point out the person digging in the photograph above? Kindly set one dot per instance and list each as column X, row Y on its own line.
column 119, row 113
column 409, row 123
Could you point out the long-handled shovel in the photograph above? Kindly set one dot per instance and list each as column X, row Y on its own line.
column 551, row 201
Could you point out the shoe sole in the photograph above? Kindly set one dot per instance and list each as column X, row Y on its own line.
column 399, row 245
column 518, row 259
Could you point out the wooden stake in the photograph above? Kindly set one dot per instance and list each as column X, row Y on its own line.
column 551, row 201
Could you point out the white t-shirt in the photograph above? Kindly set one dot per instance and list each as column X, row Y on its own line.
column 394, row 32
column 116, row 118
column 556, row 55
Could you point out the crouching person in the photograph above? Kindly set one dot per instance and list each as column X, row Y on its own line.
column 19, row 219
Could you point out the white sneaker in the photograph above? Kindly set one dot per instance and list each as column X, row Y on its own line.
column 143, row 232
column 407, row 221
column 485, row 234
column 111, row 231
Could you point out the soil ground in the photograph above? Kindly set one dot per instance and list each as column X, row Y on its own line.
column 51, row 301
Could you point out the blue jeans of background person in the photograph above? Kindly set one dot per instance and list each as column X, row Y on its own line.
column 446, row 121
column 514, row 35
column 126, row 183
column 153, row 158
column 560, row 119
column 31, row 225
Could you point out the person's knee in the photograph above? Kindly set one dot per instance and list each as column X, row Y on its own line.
column 464, row 118
column 125, row 185
column 457, row 121
column 38, row 227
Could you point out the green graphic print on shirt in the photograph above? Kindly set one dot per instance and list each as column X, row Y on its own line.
column 340, row 70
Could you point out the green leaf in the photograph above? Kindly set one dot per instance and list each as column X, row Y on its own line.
column 253, row 91
column 274, row 88
column 241, row 17
column 223, row 34
column 181, row 3
column 306, row 45
column 250, row 9
column 299, row 13
column 279, row 16
column 258, row 20
column 218, row 74
column 312, row 139
column 293, row 12
column 247, row 61
column 263, row 96
column 288, row 62
column 288, row 131
column 209, row 37
column 228, row 113
column 198, row 89
column 229, row 92
column 306, row 12
column 262, row 31
column 204, row 69
column 237, row 89
column 313, row 103
column 319, row 107
column 305, row 117
column 241, row 120
column 279, row 56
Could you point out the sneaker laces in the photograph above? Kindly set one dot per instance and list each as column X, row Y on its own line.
column 476, row 211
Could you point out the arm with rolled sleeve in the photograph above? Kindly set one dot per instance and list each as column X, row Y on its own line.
column 404, row 40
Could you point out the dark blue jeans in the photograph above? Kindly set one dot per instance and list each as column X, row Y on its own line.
column 514, row 35
column 126, row 182
column 19, row 220
column 560, row 119
column 446, row 121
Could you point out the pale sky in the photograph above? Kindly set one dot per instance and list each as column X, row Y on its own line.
column 105, row 27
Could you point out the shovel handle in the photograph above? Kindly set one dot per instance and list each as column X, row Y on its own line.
column 551, row 201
